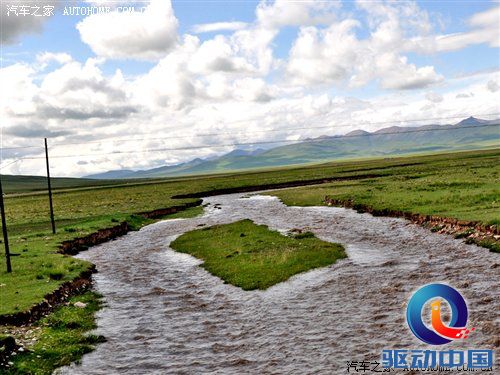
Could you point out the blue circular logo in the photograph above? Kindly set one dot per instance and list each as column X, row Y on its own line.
column 440, row 334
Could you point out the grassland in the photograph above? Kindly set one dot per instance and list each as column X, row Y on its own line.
column 459, row 185
column 251, row 256
column 465, row 188
column 462, row 185
column 56, row 340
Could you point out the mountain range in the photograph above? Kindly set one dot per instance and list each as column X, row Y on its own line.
column 470, row 133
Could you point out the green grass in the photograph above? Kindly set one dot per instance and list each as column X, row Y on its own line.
column 460, row 185
column 60, row 339
column 466, row 188
column 251, row 256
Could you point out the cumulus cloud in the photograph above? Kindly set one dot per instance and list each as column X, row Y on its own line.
column 396, row 73
column 18, row 89
column 483, row 29
column 45, row 58
column 218, row 26
column 71, row 92
column 337, row 55
column 132, row 35
column 295, row 13
column 323, row 56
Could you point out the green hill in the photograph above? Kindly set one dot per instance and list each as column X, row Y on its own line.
column 468, row 134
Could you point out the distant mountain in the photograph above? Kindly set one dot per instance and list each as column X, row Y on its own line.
column 177, row 169
column 470, row 133
column 120, row 173
column 472, row 121
column 150, row 173
column 355, row 133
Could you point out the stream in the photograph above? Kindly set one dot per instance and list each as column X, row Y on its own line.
column 164, row 314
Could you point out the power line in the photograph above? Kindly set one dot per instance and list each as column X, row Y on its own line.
column 15, row 161
column 247, row 132
column 262, row 142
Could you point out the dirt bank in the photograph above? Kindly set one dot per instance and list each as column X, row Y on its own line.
column 50, row 300
column 471, row 231
column 74, row 246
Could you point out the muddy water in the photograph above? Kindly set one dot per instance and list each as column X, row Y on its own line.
column 165, row 314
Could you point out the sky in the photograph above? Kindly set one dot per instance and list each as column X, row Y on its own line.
column 137, row 85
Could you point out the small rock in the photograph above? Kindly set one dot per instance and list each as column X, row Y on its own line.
column 10, row 363
column 80, row 305
column 20, row 350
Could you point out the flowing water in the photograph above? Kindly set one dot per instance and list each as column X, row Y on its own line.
column 165, row 314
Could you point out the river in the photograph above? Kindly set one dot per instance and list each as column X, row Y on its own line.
column 165, row 314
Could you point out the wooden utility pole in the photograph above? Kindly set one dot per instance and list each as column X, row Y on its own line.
column 50, row 189
column 4, row 230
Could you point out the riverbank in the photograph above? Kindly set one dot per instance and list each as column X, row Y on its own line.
column 472, row 232
column 55, row 340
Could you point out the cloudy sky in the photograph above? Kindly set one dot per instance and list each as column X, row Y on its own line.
column 121, row 89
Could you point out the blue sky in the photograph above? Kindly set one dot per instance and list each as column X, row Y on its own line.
column 260, row 65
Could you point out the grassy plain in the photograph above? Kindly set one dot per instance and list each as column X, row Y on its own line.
column 465, row 188
column 460, row 185
column 252, row 256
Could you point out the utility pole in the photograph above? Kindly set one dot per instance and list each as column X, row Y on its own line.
column 50, row 189
column 4, row 230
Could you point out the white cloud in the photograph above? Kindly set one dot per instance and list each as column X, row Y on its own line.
column 324, row 56
column 218, row 26
column 484, row 29
column 335, row 55
column 46, row 57
column 295, row 13
column 219, row 54
column 396, row 73
column 135, row 35
column 18, row 89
